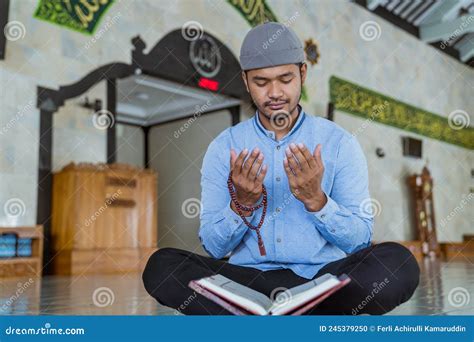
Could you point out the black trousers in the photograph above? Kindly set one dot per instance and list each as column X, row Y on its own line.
column 383, row 276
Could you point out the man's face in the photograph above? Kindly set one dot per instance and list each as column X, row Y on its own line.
column 275, row 89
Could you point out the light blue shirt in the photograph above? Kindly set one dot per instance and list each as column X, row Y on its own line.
column 294, row 237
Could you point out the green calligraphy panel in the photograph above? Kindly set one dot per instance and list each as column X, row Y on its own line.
column 356, row 100
column 79, row 15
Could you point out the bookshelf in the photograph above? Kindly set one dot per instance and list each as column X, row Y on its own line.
column 24, row 266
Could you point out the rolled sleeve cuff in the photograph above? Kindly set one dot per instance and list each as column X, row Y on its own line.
column 326, row 213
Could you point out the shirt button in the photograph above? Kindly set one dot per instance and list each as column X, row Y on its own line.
column 323, row 216
column 278, row 240
column 332, row 230
column 278, row 179
column 236, row 221
column 278, row 209
column 278, row 147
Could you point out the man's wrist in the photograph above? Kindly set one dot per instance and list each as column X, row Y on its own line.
column 250, row 202
column 245, row 213
column 317, row 203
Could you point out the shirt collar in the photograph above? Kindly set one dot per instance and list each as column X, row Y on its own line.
column 271, row 134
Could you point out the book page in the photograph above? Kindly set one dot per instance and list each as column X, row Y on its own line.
column 293, row 298
column 303, row 287
column 238, row 294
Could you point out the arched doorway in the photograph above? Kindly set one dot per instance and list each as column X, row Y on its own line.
column 201, row 69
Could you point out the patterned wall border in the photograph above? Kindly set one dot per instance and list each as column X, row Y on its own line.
column 255, row 12
column 81, row 16
column 356, row 100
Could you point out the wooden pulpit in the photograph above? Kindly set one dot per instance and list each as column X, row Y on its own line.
column 104, row 218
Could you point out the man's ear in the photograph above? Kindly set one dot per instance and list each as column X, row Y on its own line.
column 244, row 77
column 303, row 70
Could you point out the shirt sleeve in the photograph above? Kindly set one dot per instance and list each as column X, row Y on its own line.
column 346, row 220
column 221, row 229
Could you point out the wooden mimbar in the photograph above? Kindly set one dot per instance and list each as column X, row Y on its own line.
column 104, row 218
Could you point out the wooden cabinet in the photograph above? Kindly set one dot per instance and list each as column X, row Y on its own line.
column 104, row 218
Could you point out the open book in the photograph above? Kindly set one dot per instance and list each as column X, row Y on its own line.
column 241, row 300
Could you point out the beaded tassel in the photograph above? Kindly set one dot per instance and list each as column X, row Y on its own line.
column 241, row 208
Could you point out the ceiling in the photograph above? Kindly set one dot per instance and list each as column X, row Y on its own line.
column 147, row 101
column 447, row 25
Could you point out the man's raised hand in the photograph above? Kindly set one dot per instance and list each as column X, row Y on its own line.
column 305, row 173
column 245, row 176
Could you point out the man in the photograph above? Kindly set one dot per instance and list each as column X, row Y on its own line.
column 319, row 217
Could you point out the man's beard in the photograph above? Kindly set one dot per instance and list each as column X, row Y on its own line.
column 279, row 112
column 281, row 119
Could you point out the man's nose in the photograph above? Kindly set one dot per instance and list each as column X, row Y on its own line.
column 275, row 92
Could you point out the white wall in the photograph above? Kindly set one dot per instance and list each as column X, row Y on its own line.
column 130, row 144
column 450, row 169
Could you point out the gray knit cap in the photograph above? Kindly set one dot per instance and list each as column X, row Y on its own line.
column 269, row 45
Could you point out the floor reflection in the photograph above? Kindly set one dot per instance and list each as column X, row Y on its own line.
column 444, row 289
